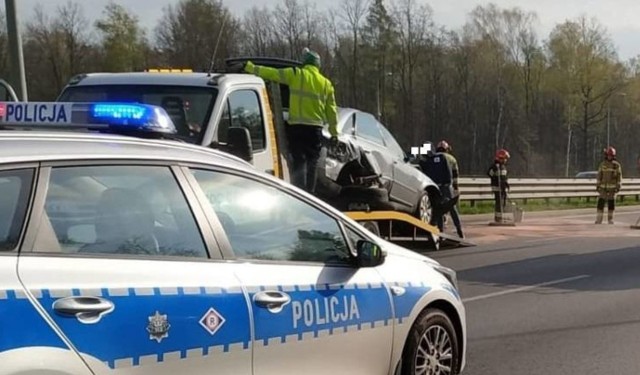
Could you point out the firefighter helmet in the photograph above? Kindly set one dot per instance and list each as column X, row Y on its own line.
column 610, row 151
column 502, row 154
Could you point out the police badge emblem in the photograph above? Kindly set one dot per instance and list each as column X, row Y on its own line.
column 158, row 327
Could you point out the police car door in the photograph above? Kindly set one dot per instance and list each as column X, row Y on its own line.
column 24, row 333
column 313, row 312
column 120, row 264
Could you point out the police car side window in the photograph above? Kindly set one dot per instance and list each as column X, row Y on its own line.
column 367, row 128
column 265, row 223
column 15, row 188
column 134, row 210
column 243, row 109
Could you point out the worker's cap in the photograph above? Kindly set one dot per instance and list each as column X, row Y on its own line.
column 310, row 57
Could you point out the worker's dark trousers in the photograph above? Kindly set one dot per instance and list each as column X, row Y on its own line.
column 305, row 145
column 499, row 201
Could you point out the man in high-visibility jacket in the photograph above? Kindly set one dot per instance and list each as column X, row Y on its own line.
column 609, row 184
column 312, row 104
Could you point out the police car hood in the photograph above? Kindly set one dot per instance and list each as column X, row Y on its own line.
column 399, row 251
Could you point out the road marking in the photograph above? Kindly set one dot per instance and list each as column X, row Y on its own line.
column 523, row 289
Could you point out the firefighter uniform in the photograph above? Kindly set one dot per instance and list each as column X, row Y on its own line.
column 608, row 185
column 312, row 104
column 499, row 183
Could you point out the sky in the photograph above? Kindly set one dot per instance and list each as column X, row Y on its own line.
column 620, row 17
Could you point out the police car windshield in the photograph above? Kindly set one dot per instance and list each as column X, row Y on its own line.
column 189, row 107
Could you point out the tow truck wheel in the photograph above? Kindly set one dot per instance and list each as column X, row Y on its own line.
column 432, row 346
column 423, row 212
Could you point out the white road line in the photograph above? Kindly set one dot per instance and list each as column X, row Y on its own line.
column 523, row 289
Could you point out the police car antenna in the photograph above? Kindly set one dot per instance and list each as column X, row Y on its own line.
column 215, row 50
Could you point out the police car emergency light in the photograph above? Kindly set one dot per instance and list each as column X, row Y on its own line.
column 110, row 117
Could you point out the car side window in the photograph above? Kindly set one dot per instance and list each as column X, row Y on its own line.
column 391, row 143
column 265, row 223
column 242, row 108
column 15, row 189
column 135, row 210
column 367, row 128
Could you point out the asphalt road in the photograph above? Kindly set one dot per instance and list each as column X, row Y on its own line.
column 555, row 295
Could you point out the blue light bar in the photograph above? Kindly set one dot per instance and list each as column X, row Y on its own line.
column 113, row 117
column 132, row 116
column 119, row 111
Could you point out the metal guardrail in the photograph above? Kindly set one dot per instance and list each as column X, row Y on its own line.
column 479, row 189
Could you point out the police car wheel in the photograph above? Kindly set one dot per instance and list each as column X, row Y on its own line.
column 432, row 347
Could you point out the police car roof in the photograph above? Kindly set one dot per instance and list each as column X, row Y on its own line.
column 27, row 146
column 161, row 79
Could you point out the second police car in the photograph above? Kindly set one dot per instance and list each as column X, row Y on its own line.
column 122, row 255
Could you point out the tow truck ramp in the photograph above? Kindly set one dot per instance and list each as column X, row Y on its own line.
column 407, row 231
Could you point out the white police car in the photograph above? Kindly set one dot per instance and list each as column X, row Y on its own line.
column 121, row 255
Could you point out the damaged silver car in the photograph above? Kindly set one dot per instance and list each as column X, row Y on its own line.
column 368, row 170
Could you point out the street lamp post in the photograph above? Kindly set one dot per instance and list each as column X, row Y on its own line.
column 18, row 79
column 609, row 118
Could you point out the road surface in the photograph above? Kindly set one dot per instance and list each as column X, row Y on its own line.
column 555, row 295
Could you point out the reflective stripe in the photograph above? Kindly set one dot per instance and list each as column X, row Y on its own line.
column 306, row 94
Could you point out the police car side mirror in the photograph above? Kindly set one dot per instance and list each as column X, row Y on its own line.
column 239, row 143
column 369, row 254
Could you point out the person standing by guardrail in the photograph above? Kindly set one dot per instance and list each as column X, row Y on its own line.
column 499, row 183
column 609, row 184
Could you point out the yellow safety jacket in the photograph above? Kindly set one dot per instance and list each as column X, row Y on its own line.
column 311, row 95
column 610, row 175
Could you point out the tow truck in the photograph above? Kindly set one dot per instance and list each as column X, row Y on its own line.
column 216, row 104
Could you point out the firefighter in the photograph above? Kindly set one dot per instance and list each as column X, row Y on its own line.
column 312, row 105
column 609, row 184
column 499, row 182
column 445, row 149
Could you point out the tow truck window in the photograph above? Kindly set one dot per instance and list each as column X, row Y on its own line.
column 188, row 106
column 15, row 188
column 242, row 109
column 132, row 210
column 265, row 223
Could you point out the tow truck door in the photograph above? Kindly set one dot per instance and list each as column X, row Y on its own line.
column 247, row 106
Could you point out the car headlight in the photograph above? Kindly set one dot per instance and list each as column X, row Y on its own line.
column 449, row 274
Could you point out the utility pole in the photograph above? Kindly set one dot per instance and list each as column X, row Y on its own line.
column 18, row 79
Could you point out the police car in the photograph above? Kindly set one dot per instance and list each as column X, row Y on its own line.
column 124, row 255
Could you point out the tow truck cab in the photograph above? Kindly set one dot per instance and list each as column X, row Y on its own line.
column 226, row 111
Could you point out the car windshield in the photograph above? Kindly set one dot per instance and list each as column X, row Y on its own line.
column 189, row 107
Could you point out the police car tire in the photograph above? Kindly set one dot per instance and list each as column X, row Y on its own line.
column 427, row 319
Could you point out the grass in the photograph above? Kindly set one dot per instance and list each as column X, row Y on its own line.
column 486, row 207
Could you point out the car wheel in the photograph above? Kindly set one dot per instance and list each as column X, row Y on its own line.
column 424, row 209
column 372, row 227
column 432, row 346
